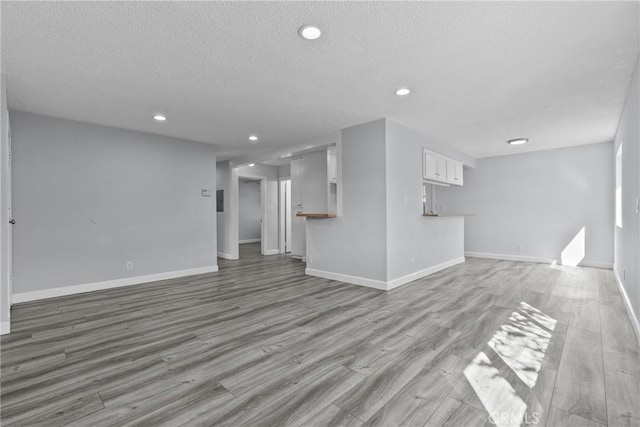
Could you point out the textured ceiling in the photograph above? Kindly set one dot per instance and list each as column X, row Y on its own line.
column 481, row 72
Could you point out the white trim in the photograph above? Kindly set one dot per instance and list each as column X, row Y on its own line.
column 97, row 286
column 627, row 303
column 356, row 280
column 379, row 284
column 249, row 241
column 509, row 257
column 541, row 260
column 422, row 273
column 272, row 252
column 596, row 264
column 225, row 256
column 5, row 328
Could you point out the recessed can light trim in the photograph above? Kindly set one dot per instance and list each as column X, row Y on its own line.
column 518, row 141
column 403, row 91
column 251, row 165
column 309, row 32
column 253, row 138
column 159, row 117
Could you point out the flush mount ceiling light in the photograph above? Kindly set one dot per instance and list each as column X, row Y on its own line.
column 251, row 165
column 403, row 91
column 309, row 32
column 518, row 141
column 253, row 138
column 159, row 117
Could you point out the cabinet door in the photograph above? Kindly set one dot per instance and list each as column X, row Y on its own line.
column 451, row 171
column 459, row 179
column 441, row 172
column 430, row 166
column 332, row 169
column 454, row 172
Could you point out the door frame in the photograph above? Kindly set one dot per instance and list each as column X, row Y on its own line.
column 284, row 229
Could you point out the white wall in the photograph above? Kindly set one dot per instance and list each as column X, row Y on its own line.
column 415, row 244
column 249, row 226
column 354, row 244
column 270, row 173
column 539, row 200
column 5, row 296
column 89, row 198
column 627, row 246
column 224, row 221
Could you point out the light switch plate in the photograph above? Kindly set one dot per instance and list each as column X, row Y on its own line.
column 206, row 192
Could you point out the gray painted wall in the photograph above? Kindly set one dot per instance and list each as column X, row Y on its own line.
column 539, row 200
column 5, row 295
column 249, row 226
column 414, row 243
column 89, row 198
column 627, row 246
column 315, row 182
column 355, row 243
column 284, row 171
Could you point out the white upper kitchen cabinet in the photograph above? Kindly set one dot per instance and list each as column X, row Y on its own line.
column 441, row 170
column 454, row 172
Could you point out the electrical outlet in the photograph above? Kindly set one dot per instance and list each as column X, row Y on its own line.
column 129, row 265
column 412, row 261
column 518, row 247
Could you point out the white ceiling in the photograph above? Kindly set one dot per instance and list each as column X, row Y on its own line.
column 481, row 72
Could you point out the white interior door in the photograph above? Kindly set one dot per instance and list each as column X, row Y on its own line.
column 298, row 226
column 11, row 222
column 287, row 216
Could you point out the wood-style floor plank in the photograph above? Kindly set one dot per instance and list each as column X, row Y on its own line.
column 260, row 344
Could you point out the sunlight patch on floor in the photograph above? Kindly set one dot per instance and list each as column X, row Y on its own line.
column 521, row 344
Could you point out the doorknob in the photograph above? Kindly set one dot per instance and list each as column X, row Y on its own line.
column 12, row 221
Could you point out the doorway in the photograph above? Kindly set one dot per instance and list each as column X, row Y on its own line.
column 250, row 216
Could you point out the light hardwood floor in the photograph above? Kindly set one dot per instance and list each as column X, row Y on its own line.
column 261, row 344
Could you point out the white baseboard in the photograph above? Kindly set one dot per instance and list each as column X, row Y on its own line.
column 356, row 280
column 381, row 284
column 5, row 328
column 272, row 252
column 250, row 241
column 225, row 256
column 117, row 283
column 423, row 273
column 596, row 264
column 540, row 260
column 627, row 303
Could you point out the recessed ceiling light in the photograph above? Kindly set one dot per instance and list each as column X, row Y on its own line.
column 403, row 91
column 251, row 165
column 159, row 117
column 253, row 138
column 518, row 141
column 309, row 32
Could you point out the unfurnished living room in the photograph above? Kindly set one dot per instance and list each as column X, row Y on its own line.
column 320, row 213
